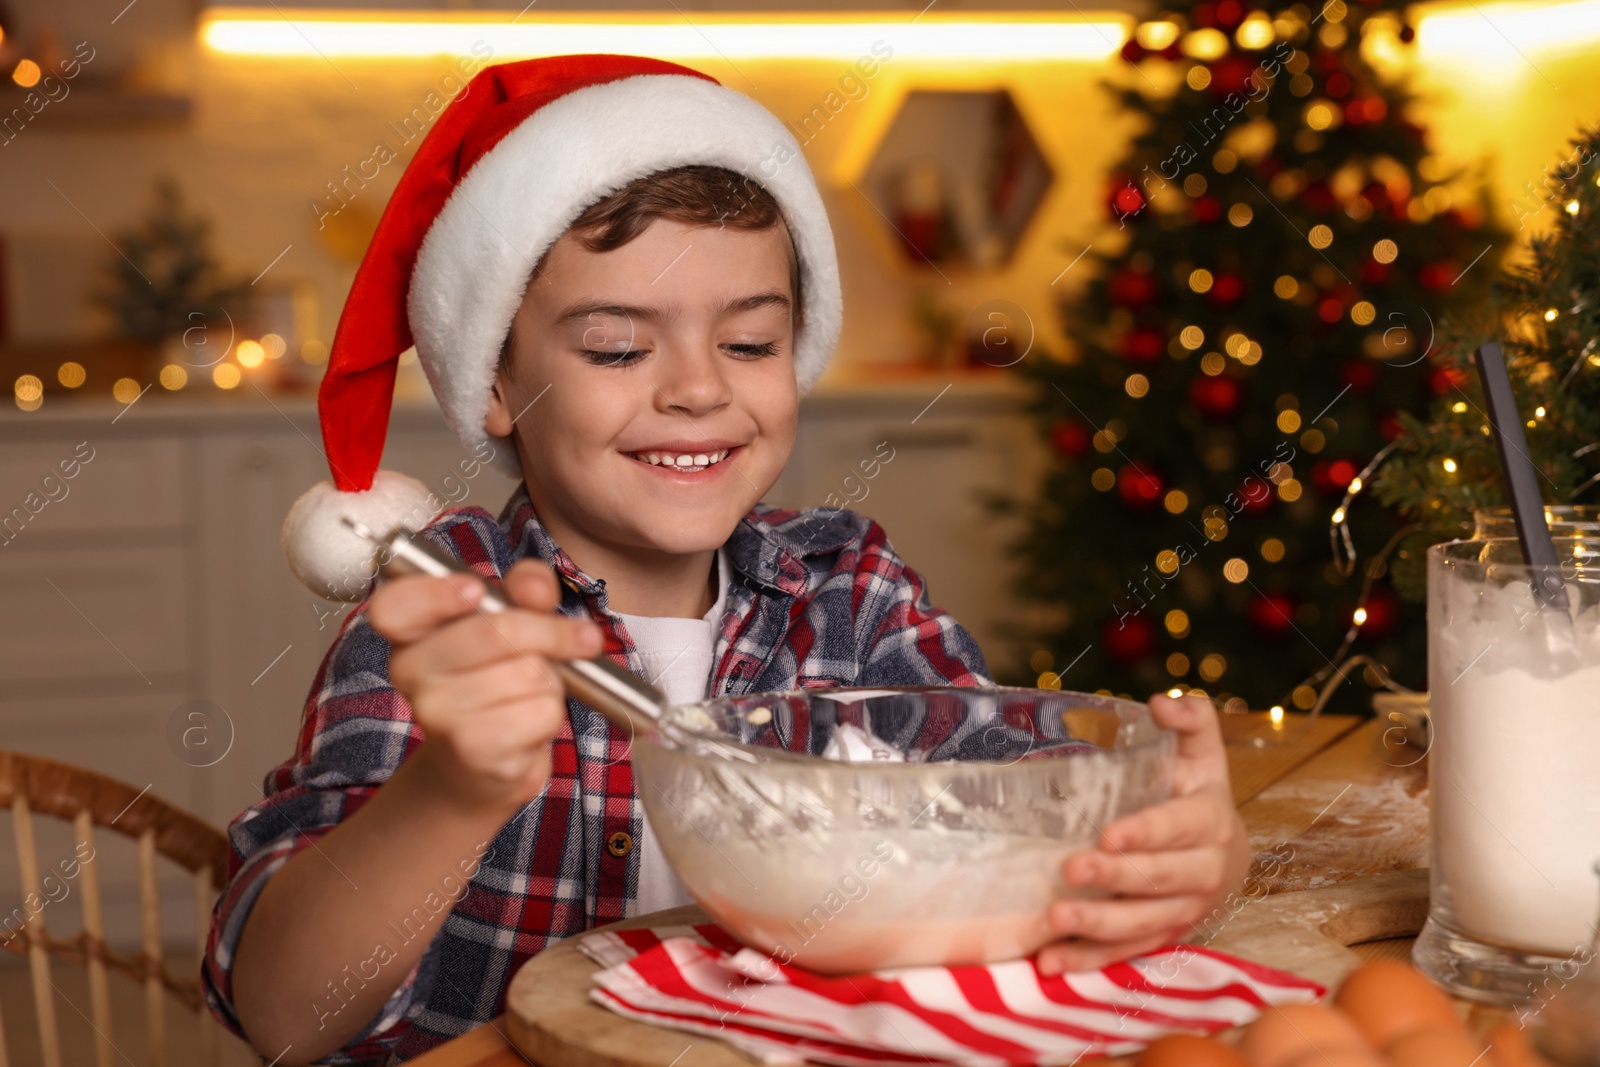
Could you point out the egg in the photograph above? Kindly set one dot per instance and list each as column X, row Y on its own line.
column 1436, row 1047
column 1290, row 1032
column 1187, row 1050
column 1388, row 999
column 1509, row 1047
column 1341, row 1057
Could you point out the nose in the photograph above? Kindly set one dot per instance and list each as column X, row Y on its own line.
column 691, row 380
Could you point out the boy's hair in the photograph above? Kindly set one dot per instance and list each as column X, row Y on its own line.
column 697, row 195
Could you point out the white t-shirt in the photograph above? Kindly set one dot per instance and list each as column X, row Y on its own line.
column 676, row 655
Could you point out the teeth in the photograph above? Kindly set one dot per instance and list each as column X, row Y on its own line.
column 685, row 461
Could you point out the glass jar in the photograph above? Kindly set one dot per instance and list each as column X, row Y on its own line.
column 1564, row 520
column 1514, row 771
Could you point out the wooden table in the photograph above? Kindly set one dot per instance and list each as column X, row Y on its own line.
column 1331, row 799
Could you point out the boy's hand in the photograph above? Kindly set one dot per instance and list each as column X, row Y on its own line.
column 481, row 686
column 1166, row 867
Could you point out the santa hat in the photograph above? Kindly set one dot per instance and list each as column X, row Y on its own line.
column 510, row 163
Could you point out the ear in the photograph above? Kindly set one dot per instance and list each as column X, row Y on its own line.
column 497, row 420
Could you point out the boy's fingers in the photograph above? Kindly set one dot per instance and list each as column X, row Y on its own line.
column 531, row 583
column 1199, row 735
column 470, row 644
column 1065, row 956
column 1197, row 871
column 515, row 678
column 1201, row 818
column 1111, row 921
column 404, row 609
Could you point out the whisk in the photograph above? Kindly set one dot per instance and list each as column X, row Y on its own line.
column 622, row 697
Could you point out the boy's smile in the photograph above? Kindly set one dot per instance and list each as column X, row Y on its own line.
column 651, row 390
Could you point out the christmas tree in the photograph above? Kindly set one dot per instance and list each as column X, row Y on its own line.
column 164, row 281
column 1254, row 333
column 1544, row 309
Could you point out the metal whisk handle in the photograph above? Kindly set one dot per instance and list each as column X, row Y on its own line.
column 628, row 701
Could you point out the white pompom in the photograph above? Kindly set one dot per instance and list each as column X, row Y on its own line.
column 330, row 558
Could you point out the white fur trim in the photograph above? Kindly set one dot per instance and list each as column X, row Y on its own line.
column 474, row 265
column 330, row 558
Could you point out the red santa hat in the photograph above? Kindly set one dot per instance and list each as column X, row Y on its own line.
column 510, row 163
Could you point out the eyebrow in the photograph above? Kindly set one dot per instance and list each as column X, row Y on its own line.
column 581, row 310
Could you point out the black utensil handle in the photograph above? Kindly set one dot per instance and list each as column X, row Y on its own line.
column 1522, row 480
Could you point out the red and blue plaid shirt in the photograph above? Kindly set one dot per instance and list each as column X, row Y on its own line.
column 818, row 598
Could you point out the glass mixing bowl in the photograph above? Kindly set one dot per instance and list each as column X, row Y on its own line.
column 876, row 828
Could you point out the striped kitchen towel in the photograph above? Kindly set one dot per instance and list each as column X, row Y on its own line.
column 701, row 980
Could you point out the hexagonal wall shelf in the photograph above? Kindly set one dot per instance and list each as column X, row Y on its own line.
column 955, row 180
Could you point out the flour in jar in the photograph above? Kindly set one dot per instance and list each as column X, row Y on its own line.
column 1515, row 770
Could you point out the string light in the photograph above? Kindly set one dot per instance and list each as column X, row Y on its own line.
column 1550, row 316
column 1449, row 465
column 1304, row 696
column 1276, row 714
column 1572, row 207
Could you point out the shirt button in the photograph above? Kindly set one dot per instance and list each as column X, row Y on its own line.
column 619, row 843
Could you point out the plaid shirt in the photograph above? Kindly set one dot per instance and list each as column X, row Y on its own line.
column 818, row 599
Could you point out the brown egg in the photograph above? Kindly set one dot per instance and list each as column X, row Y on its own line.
column 1509, row 1046
column 1341, row 1057
column 1388, row 999
column 1187, row 1050
column 1436, row 1047
column 1292, row 1031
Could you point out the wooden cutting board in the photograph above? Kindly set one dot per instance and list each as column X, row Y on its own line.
column 552, row 1020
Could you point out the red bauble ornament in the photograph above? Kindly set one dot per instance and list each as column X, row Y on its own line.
column 1407, row 34
column 1269, row 166
column 1143, row 345
column 1373, row 272
column 1272, row 613
column 1203, row 15
column 1128, row 638
column 1330, row 309
column 1140, row 486
column 1359, row 374
column 1218, row 398
column 1383, row 611
column 1365, row 109
column 1226, row 289
column 1389, row 426
column 1229, row 13
column 1331, row 477
column 1437, row 275
column 1131, row 288
column 1133, row 51
column 1318, row 197
column 1377, row 195
column 1172, row 53
column 1254, row 495
column 1125, row 201
column 1444, row 379
column 1337, row 85
column 1070, row 438
column 1205, row 209
column 1231, row 74
column 1327, row 61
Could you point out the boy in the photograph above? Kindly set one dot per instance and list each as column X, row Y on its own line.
column 633, row 340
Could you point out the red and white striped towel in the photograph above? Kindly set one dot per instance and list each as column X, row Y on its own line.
column 701, row 980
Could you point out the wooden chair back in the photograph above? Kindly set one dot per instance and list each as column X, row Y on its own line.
column 32, row 785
